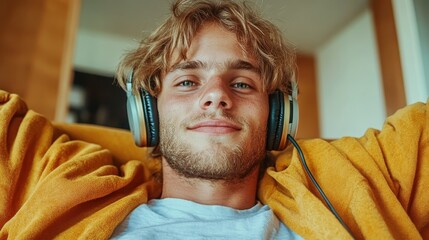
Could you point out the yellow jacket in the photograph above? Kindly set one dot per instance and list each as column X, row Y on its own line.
column 71, row 181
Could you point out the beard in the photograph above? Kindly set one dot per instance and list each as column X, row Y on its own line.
column 219, row 161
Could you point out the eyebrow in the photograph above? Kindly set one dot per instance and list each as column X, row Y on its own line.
column 230, row 64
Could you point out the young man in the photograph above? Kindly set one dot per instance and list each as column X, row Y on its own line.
column 211, row 67
column 212, row 100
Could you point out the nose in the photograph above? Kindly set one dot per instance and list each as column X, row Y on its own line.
column 215, row 94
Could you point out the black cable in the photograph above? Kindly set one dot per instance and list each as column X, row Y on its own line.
column 319, row 189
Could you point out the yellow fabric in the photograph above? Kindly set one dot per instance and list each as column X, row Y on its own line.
column 52, row 187
column 78, row 181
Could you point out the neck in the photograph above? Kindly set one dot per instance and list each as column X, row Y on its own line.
column 235, row 194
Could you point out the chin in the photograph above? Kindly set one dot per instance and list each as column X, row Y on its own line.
column 213, row 144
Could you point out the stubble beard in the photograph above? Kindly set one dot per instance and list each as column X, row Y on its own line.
column 219, row 161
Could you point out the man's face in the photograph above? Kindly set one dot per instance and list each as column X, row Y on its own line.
column 213, row 110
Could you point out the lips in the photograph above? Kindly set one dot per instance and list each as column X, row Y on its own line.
column 215, row 127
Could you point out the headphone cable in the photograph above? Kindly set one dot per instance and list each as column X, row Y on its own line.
column 319, row 189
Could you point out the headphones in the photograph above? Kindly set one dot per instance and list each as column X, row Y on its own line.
column 143, row 118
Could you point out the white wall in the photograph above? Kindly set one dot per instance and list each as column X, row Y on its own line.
column 422, row 15
column 350, row 89
column 413, row 37
column 100, row 53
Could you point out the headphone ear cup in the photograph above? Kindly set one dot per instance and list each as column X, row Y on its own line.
column 282, row 120
column 275, row 120
column 143, row 118
column 134, row 110
column 150, row 110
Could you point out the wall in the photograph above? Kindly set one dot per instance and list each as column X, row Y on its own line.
column 350, row 90
column 100, row 53
column 422, row 15
column 413, row 36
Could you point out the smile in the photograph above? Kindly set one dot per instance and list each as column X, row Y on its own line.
column 215, row 127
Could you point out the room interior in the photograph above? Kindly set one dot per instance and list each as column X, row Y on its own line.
column 354, row 58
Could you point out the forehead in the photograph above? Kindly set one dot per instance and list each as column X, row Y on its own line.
column 213, row 45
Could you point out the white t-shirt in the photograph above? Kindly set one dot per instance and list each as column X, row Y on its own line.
column 172, row 218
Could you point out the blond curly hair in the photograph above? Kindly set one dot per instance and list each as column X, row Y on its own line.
column 257, row 37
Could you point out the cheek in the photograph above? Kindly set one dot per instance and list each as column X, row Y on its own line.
column 164, row 110
column 264, row 112
column 172, row 108
column 263, row 118
column 258, row 114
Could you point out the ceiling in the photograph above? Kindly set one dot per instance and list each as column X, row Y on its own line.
column 306, row 23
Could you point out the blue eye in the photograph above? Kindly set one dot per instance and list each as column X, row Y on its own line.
column 187, row 83
column 240, row 85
